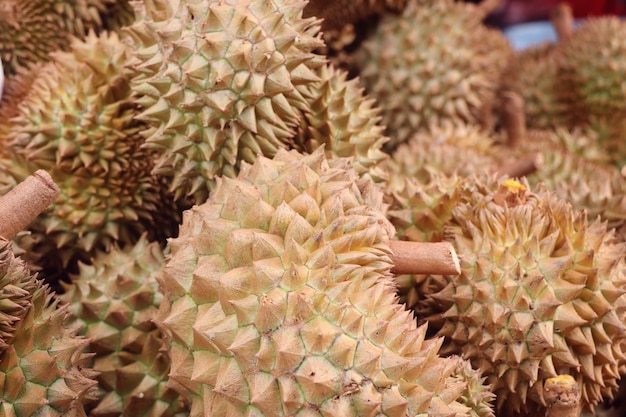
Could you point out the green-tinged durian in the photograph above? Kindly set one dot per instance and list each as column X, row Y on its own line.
column 431, row 67
column 463, row 150
column 579, row 170
column 43, row 371
column 345, row 121
column 219, row 82
column 78, row 123
column 338, row 13
column 114, row 299
column 31, row 29
column 541, row 293
column 593, row 67
column 279, row 301
column 533, row 74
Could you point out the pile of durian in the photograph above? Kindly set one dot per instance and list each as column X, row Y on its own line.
column 233, row 175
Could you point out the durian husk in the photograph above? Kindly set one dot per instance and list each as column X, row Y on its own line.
column 338, row 13
column 580, row 170
column 592, row 69
column 16, row 288
column 31, row 29
column 78, row 123
column 114, row 14
column 541, row 293
column 345, row 121
column 279, row 301
column 447, row 150
column 219, row 83
column 44, row 370
column 114, row 299
column 533, row 74
column 435, row 65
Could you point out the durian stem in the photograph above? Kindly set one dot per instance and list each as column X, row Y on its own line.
column 522, row 167
column 563, row 21
column 562, row 396
column 514, row 119
column 436, row 258
column 23, row 203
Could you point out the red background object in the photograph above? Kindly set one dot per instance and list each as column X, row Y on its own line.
column 519, row 11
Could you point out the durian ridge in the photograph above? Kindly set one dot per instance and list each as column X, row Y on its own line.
column 541, row 290
column 280, row 300
column 219, row 83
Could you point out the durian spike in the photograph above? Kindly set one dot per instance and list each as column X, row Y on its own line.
column 514, row 119
column 23, row 203
column 563, row 21
column 434, row 258
column 522, row 167
column 562, row 396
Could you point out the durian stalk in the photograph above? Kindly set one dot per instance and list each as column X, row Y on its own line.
column 22, row 204
column 563, row 21
column 434, row 258
column 522, row 167
column 562, row 396
column 514, row 120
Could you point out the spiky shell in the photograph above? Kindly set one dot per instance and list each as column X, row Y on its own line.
column 113, row 14
column 338, row 13
column 541, row 293
column 280, row 301
column 533, row 74
column 345, row 121
column 462, row 150
column 593, row 68
column 31, row 29
column 13, row 92
column 16, row 288
column 477, row 396
column 429, row 67
column 419, row 211
column 579, row 170
column 44, row 370
column 114, row 299
column 77, row 122
column 219, row 83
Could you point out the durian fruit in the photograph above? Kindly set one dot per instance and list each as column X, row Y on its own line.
column 31, row 29
column 463, row 150
column 16, row 288
column 113, row 14
column 43, row 371
column 575, row 165
column 114, row 299
column 541, row 293
column 279, row 301
column 533, row 74
column 593, row 67
column 336, row 14
column 432, row 67
column 477, row 396
column 14, row 91
column 419, row 210
column 219, row 82
column 345, row 121
column 78, row 123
